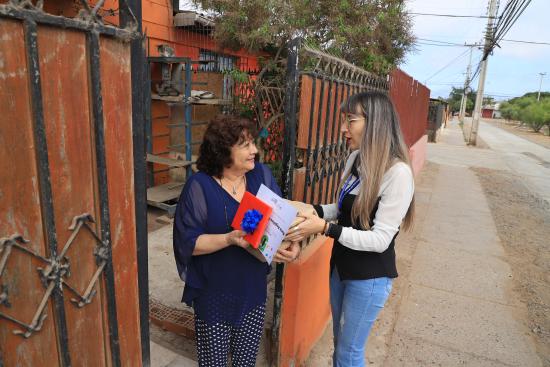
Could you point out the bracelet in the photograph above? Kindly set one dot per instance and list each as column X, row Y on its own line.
column 325, row 228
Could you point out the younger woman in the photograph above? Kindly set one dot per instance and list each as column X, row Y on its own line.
column 375, row 199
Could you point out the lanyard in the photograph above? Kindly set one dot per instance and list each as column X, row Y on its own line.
column 346, row 189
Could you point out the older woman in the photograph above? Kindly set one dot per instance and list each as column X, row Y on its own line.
column 224, row 283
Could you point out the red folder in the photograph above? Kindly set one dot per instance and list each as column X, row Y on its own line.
column 249, row 202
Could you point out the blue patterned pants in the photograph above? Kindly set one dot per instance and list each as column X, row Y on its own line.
column 215, row 342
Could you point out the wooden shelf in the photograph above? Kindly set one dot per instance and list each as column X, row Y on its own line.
column 213, row 101
column 158, row 195
column 174, row 99
column 197, row 101
column 167, row 161
column 168, row 59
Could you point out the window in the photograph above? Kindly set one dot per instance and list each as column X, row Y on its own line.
column 215, row 62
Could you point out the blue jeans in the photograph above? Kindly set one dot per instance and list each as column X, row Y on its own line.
column 355, row 305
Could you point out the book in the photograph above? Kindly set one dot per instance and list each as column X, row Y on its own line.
column 249, row 203
column 279, row 222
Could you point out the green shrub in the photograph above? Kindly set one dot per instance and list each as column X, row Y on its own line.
column 534, row 116
column 526, row 109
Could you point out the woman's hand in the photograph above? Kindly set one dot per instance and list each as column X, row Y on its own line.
column 312, row 224
column 236, row 238
column 289, row 254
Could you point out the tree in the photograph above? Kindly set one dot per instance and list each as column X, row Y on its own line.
column 543, row 95
column 488, row 101
column 534, row 115
column 509, row 111
column 372, row 34
column 526, row 109
column 546, row 106
column 455, row 97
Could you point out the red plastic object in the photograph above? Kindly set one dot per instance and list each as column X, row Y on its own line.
column 248, row 202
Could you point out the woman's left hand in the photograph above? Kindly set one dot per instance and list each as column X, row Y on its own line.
column 290, row 254
column 311, row 225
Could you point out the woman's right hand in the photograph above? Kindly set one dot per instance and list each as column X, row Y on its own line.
column 311, row 225
column 236, row 238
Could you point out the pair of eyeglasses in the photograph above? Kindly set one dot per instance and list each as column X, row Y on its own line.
column 350, row 121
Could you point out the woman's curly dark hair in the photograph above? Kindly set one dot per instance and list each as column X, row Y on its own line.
column 222, row 133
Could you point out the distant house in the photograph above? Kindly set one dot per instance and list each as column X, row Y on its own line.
column 491, row 111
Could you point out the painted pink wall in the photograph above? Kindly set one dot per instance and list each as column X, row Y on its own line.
column 417, row 153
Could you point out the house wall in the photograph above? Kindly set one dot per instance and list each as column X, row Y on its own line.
column 159, row 29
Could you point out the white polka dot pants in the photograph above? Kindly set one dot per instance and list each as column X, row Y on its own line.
column 216, row 341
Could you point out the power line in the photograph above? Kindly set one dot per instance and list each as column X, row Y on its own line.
column 499, row 95
column 508, row 17
column 448, row 83
column 506, row 13
column 500, row 34
column 452, row 15
column 478, row 68
column 446, row 43
column 447, row 65
column 476, row 73
column 442, row 43
column 512, row 11
column 529, row 42
column 438, row 41
column 438, row 44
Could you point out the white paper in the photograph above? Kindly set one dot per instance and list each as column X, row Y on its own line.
column 282, row 216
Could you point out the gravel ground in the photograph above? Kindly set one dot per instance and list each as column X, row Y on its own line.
column 523, row 225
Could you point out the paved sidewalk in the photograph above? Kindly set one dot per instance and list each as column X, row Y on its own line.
column 458, row 306
column 164, row 357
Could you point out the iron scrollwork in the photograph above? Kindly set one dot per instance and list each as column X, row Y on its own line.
column 54, row 273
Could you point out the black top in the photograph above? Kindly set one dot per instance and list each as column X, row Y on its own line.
column 357, row 265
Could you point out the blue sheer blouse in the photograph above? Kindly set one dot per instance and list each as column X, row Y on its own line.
column 225, row 285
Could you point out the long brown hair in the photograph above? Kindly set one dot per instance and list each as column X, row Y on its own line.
column 382, row 145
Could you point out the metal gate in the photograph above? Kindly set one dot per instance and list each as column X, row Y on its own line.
column 68, row 234
column 317, row 83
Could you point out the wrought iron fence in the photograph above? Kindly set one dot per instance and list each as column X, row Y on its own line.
column 314, row 151
column 88, row 18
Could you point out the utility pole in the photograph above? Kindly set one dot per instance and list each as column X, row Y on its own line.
column 462, row 104
column 540, row 85
column 466, row 89
column 483, row 72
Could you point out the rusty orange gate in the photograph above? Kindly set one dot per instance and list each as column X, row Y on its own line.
column 69, row 249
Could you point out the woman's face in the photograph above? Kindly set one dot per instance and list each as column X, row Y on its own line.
column 352, row 129
column 243, row 154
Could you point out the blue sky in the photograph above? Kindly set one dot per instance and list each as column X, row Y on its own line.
column 513, row 69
